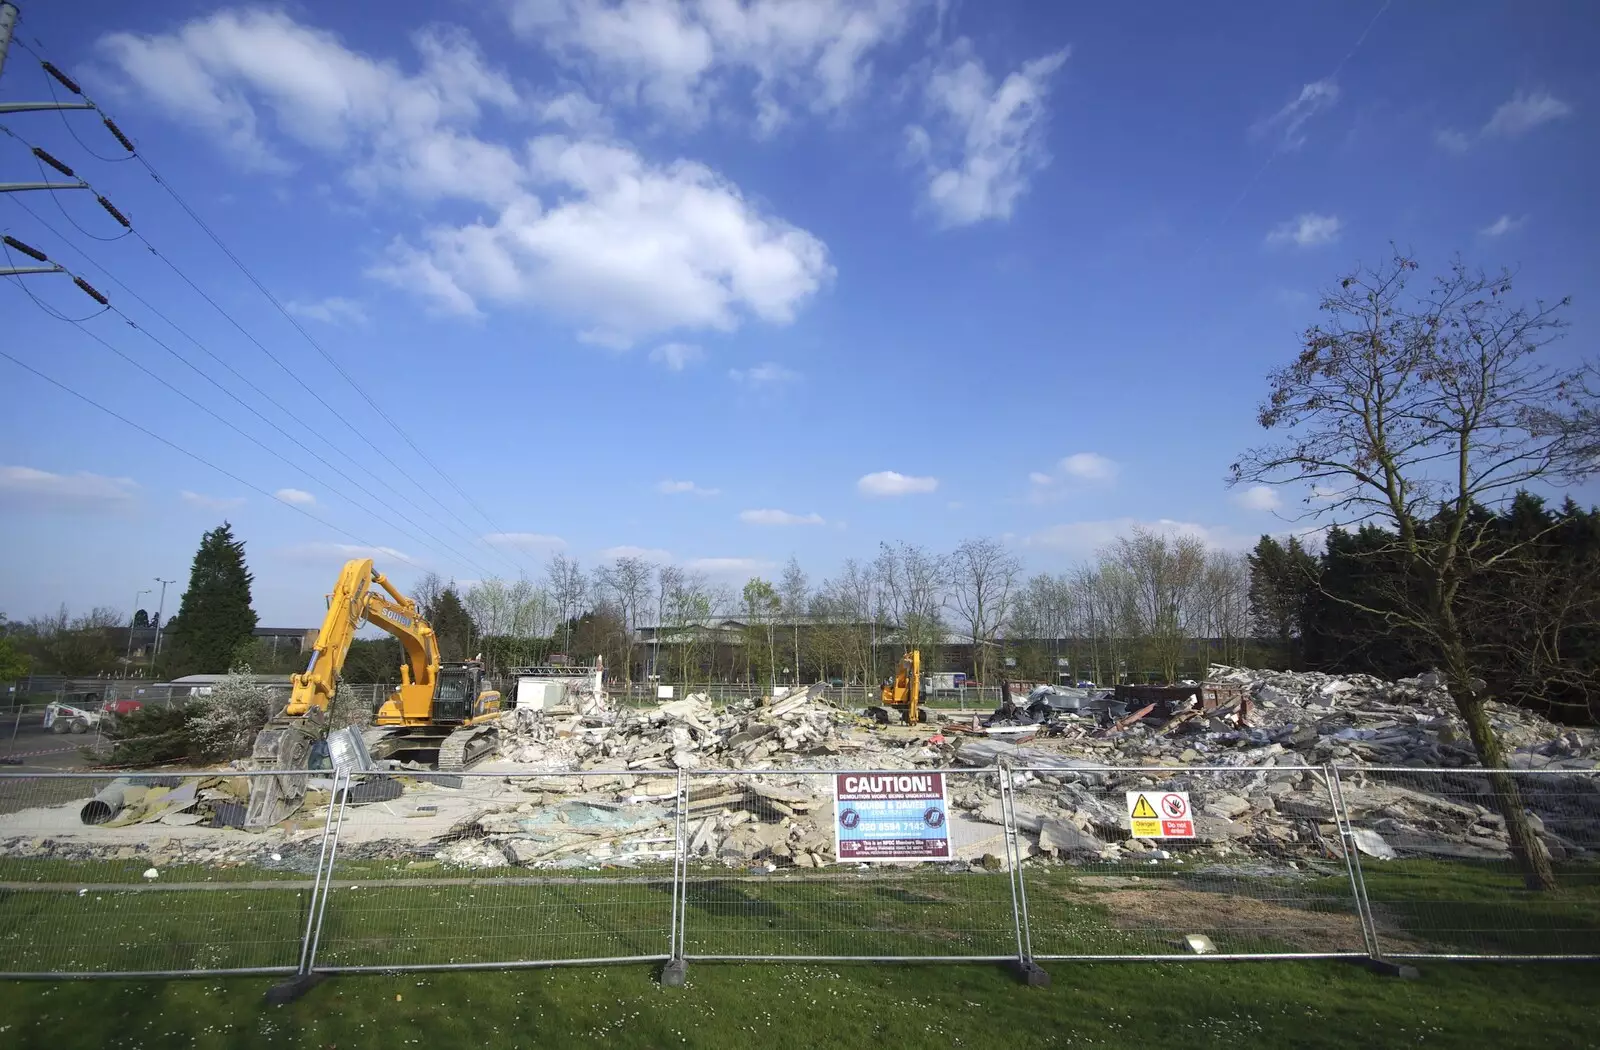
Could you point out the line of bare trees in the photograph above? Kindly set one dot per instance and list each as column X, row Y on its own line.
column 1147, row 603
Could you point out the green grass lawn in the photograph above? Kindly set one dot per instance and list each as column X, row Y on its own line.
column 101, row 915
column 1165, row 1005
column 393, row 913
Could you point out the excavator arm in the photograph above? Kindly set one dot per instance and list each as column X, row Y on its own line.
column 285, row 744
column 352, row 601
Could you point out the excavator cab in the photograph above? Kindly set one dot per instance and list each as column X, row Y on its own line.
column 460, row 695
column 456, row 691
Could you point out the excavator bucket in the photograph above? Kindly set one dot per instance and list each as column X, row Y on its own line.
column 285, row 746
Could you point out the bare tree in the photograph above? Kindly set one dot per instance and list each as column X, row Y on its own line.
column 1227, row 605
column 1412, row 409
column 568, row 587
column 911, row 584
column 794, row 589
column 426, row 593
column 1166, row 575
column 628, row 582
column 669, row 584
column 983, row 574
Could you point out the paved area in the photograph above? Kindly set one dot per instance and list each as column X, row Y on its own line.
column 26, row 742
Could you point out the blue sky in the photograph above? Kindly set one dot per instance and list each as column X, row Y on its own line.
column 731, row 280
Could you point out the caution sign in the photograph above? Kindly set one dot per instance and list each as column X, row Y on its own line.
column 891, row 817
column 1160, row 815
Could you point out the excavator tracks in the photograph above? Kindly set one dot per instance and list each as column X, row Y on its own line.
column 467, row 746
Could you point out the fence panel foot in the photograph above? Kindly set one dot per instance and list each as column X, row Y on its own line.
column 293, row 988
column 674, row 973
column 1031, row 974
column 1390, row 968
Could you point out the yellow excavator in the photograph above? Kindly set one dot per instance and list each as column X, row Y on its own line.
column 440, row 716
column 902, row 698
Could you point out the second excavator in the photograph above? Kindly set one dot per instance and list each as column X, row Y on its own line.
column 441, row 715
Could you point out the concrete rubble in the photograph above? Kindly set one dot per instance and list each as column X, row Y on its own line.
column 597, row 785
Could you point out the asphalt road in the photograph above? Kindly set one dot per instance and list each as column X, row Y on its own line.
column 24, row 738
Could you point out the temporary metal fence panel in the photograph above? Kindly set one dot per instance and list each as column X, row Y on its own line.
column 455, row 871
column 1264, row 875
column 762, row 879
column 1440, row 874
column 144, row 874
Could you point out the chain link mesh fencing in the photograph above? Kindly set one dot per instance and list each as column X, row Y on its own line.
column 150, row 874
column 451, row 871
column 1440, row 869
column 1265, row 874
column 763, row 880
column 146, row 874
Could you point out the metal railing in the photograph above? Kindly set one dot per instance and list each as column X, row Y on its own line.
column 151, row 874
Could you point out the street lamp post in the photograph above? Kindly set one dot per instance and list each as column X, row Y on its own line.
column 127, row 658
column 155, row 658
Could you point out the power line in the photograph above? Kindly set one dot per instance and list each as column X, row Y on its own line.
column 43, row 157
column 224, row 421
column 72, row 86
column 438, row 544
column 202, row 460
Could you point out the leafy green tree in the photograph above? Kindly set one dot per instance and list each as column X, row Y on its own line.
column 141, row 620
column 13, row 664
column 214, row 620
column 762, row 604
column 373, row 660
column 1283, row 583
column 452, row 625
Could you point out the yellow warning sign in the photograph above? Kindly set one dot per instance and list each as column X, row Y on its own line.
column 1160, row 815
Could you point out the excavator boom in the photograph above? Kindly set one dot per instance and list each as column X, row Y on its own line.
column 286, row 742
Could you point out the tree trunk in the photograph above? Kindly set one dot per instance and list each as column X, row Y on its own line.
column 1526, row 848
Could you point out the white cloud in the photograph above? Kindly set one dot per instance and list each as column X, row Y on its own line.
column 683, row 60
column 333, row 310
column 1307, row 230
column 729, row 566
column 1084, row 538
column 768, row 374
column 628, row 248
column 27, row 489
column 1078, row 468
column 894, row 483
column 1452, row 140
column 1088, row 466
column 779, row 517
column 1287, row 125
column 655, row 554
column 300, row 497
column 1523, row 112
column 323, row 553
column 1515, row 117
column 1503, row 225
column 523, row 540
column 575, row 224
column 675, row 488
column 196, row 499
column 986, row 142
column 235, row 72
column 1259, row 497
column 675, row 357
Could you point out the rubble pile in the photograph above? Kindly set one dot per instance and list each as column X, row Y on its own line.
column 597, row 785
column 1343, row 719
column 687, row 734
